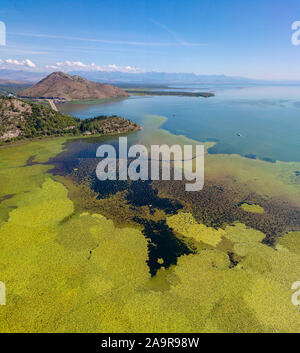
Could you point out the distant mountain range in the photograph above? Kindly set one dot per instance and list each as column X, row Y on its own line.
column 19, row 75
column 65, row 86
column 144, row 78
column 12, row 86
column 160, row 78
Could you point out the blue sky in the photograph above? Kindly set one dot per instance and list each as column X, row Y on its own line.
column 234, row 37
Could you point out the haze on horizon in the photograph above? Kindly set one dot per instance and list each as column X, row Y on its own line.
column 231, row 37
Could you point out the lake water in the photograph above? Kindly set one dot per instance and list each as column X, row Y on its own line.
column 261, row 121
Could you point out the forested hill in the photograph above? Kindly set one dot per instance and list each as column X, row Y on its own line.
column 20, row 119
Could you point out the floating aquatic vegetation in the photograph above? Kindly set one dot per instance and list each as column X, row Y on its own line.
column 291, row 241
column 248, row 207
column 68, row 267
column 185, row 224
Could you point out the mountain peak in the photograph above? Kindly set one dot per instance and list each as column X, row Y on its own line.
column 59, row 74
column 62, row 85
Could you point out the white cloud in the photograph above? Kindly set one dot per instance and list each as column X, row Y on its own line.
column 16, row 63
column 50, row 67
column 78, row 65
column 29, row 63
column 65, row 66
column 72, row 64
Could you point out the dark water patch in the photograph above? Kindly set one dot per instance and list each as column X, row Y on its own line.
column 247, row 203
column 138, row 194
column 233, row 260
column 211, row 139
column 69, row 159
column 270, row 160
column 164, row 247
column 78, row 161
column 107, row 188
column 250, row 156
column 219, row 205
column 222, row 148
column 6, row 197
column 30, row 161
column 79, row 149
column 141, row 193
column 269, row 240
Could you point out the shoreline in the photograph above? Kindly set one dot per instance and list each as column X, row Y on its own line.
column 170, row 93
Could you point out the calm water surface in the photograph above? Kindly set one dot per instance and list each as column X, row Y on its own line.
column 262, row 121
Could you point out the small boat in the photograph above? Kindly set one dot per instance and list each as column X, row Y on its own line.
column 239, row 134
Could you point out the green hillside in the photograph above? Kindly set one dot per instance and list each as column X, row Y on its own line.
column 20, row 119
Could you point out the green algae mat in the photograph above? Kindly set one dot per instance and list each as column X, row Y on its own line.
column 70, row 270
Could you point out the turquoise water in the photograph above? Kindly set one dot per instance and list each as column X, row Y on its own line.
column 261, row 121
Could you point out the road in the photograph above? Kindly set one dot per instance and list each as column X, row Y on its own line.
column 52, row 104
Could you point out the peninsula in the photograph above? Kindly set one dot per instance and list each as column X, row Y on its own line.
column 170, row 93
column 20, row 120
